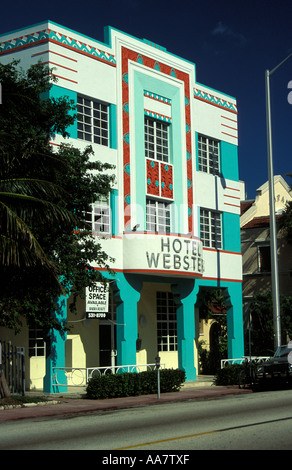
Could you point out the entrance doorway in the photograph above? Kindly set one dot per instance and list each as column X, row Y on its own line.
column 107, row 345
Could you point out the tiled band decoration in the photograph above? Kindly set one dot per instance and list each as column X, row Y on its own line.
column 48, row 35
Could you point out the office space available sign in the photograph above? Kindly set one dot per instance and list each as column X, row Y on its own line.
column 97, row 301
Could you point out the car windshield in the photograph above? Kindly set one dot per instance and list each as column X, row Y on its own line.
column 283, row 351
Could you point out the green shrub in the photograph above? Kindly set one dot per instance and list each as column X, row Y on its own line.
column 133, row 384
column 171, row 380
column 228, row 375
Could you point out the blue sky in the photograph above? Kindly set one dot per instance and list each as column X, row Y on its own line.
column 232, row 43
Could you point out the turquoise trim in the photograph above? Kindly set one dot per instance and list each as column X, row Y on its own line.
column 56, row 356
column 127, row 291
column 26, row 27
column 216, row 100
column 185, row 294
column 233, row 295
column 45, row 23
column 114, row 211
column 113, row 126
column 108, row 42
column 59, row 92
column 127, row 323
column 197, row 150
column 235, row 334
column 46, row 33
column 108, row 37
column 74, row 31
column 213, row 89
column 231, row 232
column 229, row 161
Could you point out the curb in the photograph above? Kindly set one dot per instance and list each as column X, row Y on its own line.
column 74, row 406
column 29, row 405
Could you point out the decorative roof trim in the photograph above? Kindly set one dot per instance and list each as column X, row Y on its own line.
column 49, row 35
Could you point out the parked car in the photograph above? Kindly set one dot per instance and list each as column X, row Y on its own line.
column 277, row 369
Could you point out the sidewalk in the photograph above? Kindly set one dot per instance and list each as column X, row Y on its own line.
column 72, row 402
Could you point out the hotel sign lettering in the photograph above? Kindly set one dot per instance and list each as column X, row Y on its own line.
column 177, row 254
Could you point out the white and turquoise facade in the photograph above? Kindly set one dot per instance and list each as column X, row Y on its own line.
column 172, row 219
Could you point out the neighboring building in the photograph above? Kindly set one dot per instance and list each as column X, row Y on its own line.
column 255, row 243
column 172, row 219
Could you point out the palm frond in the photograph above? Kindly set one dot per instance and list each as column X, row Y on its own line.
column 29, row 206
column 30, row 187
column 18, row 244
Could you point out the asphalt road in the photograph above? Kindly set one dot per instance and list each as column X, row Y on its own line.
column 260, row 421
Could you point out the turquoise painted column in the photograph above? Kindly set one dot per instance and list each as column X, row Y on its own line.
column 185, row 295
column 55, row 356
column 235, row 335
column 127, row 297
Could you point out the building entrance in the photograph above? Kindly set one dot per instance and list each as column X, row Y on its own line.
column 107, row 345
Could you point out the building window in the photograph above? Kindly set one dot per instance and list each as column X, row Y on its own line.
column 92, row 121
column 36, row 343
column 166, row 322
column 264, row 259
column 208, row 151
column 157, row 216
column 211, row 228
column 156, row 140
column 99, row 218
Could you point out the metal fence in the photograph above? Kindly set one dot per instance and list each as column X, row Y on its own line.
column 12, row 365
column 79, row 376
column 255, row 359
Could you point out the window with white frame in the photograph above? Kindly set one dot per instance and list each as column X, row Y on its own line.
column 99, row 218
column 211, row 228
column 92, row 121
column 166, row 322
column 208, row 152
column 36, row 343
column 158, row 216
column 156, row 140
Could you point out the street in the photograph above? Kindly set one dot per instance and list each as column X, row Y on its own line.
column 253, row 421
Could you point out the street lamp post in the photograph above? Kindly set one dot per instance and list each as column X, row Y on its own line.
column 273, row 229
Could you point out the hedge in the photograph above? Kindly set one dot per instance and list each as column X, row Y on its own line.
column 132, row 384
column 228, row 375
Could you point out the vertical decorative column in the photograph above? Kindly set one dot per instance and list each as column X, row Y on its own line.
column 185, row 295
column 127, row 295
column 235, row 336
column 55, row 352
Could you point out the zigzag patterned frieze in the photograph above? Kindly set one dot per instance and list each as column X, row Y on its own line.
column 215, row 100
column 50, row 35
column 158, row 116
column 154, row 96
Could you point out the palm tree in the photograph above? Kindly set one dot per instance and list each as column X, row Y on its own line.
column 43, row 196
column 27, row 119
column 23, row 202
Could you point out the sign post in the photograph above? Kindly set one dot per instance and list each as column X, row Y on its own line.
column 157, row 361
